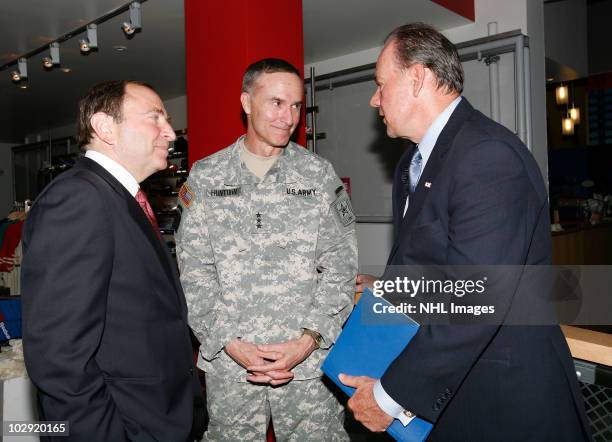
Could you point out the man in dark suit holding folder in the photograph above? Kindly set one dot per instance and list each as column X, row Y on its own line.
column 468, row 193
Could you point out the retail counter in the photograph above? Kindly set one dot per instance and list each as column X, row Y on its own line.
column 592, row 352
column 589, row 345
column 583, row 244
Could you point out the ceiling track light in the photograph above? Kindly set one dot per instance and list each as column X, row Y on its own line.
column 22, row 72
column 129, row 28
column 91, row 42
column 84, row 45
column 20, row 75
column 54, row 57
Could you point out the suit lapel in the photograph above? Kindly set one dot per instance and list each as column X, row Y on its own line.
column 434, row 164
column 399, row 188
column 138, row 215
column 400, row 199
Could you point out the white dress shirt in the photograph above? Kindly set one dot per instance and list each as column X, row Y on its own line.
column 431, row 136
column 116, row 170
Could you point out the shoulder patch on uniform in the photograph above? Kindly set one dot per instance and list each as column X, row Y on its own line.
column 343, row 209
column 186, row 195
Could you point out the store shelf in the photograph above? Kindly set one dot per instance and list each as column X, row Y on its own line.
column 162, row 190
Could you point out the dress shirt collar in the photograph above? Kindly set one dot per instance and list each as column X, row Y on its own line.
column 431, row 136
column 116, row 170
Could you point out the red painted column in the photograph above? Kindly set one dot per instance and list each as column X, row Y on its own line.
column 221, row 40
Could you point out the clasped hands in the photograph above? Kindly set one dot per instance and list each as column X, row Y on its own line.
column 270, row 363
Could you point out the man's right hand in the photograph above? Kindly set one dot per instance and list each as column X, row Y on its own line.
column 364, row 281
column 246, row 354
column 243, row 353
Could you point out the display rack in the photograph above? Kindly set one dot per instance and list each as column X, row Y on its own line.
column 162, row 189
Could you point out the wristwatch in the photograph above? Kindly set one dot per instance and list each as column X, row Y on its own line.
column 316, row 337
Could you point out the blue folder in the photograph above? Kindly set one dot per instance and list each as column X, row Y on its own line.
column 368, row 344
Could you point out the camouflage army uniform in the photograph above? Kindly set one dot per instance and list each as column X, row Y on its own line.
column 262, row 260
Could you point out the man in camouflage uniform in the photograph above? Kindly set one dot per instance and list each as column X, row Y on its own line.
column 268, row 259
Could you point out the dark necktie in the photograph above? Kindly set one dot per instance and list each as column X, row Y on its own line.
column 410, row 176
column 141, row 197
column 414, row 170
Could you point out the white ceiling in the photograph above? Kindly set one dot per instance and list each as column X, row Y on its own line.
column 156, row 55
column 337, row 27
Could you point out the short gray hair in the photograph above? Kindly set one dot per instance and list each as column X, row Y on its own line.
column 266, row 66
column 420, row 43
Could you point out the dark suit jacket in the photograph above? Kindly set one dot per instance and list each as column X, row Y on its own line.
column 105, row 333
column 485, row 203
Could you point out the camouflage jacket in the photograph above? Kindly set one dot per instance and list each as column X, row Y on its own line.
column 264, row 259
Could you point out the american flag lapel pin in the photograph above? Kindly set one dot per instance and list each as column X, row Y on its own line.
column 428, row 184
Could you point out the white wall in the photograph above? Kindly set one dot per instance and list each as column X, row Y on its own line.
column 509, row 15
column 6, row 179
column 374, row 242
column 535, row 31
column 344, row 62
column 527, row 15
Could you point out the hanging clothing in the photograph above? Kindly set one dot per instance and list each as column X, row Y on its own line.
column 10, row 241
